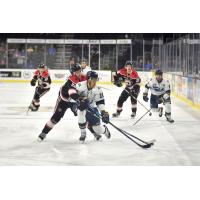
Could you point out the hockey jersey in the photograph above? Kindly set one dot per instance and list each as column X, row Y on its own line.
column 44, row 79
column 85, row 70
column 157, row 88
column 129, row 79
column 68, row 91
column 94, row 96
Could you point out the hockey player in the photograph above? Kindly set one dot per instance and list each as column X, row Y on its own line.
column 91, row 97
column 132, row 89
column 44, row 81
column 84, row 67
column 160, row 93
column 67, row 98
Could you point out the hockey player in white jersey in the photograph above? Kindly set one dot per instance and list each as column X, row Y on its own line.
column 160, row 93
column 85, row 68
column 91, row 103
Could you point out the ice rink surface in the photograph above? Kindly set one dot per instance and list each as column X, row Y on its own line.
column 176, row 144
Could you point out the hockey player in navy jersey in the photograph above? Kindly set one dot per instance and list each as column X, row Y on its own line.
column 160, row 94
column 92, row 105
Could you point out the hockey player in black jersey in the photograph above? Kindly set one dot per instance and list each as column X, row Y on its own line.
column 132, row 82
column 67, row 98
column 43, row 78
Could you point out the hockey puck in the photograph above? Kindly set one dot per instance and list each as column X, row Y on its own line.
column 150, row 114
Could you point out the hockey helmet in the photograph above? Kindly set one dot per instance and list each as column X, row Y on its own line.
column 92, row 75
column 129, row 63
column 41, row 66
column 158, row 72
column 75, row 67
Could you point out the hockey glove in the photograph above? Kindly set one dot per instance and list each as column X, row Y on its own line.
column 118, row 84
column 105, row 116
column 83, row 104
column 166, row 96
column 74, row 108
column 33, row 82
column 145, row 97
column 118, row 81
column 44, row 85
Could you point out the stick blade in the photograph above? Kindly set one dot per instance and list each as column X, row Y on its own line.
column 146, row 146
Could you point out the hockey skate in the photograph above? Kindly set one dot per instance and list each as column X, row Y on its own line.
column 160, row 111
column 107, row 132
column 133, row 115
column 116, row 114
column 168, row 118
column 82, row 137
column 33, row 108
column 97, row 136
column 42, row 136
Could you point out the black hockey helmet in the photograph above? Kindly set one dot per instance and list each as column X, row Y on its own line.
column 129, row 63
column 91, row 74
column 158, row 72
column 75, row 68
column 41, row 66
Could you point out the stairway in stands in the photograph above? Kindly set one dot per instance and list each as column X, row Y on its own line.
column 63, row 54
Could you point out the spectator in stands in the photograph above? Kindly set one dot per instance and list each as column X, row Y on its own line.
column 148, row 66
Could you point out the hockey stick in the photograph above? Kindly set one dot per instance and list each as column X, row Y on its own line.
column 138, row 101
column 141, row 117
column 149, row 142
column 128, row 135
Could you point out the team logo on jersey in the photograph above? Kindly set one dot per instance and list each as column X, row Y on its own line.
column 156, row 88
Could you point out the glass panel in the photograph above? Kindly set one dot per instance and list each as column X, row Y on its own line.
column 85, row 53
column 123, row 54
column 2, row 54
column 35, row 55
column 108, row 57
column 55, row 56
column 137, row 54
column 94, row 56
column 16, row 55
column 148, row 55
column 73, row 54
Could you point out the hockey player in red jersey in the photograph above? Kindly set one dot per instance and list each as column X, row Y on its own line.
column 67, row 98
column 43, row 78
column 132, row 89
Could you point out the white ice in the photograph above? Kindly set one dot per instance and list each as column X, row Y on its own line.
column 176, row 144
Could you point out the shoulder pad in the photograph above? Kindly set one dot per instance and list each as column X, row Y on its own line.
column 134, row 75
column 73, row 79
column 121, row 72
column 83, row 78
column 45, row 73
column 36, row 72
